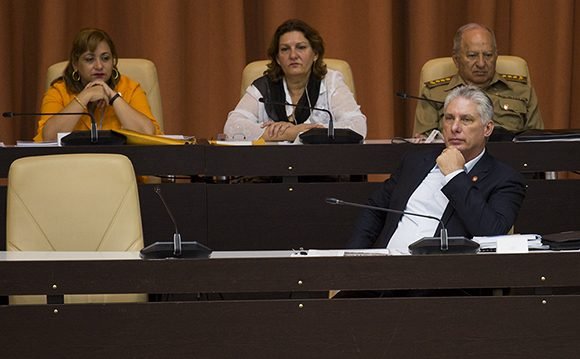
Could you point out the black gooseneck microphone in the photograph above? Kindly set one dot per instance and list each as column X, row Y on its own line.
column 80, row 138
column 427, row 245
column 320, row 135
column 176, row 248
column 94, row 133
column 406, row 96
column 176, row 234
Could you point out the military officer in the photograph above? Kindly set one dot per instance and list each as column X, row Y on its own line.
column 475, row 55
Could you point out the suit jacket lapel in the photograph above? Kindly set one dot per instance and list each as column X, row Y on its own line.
column 477, row 173
column 408, row 183
column 416, row 177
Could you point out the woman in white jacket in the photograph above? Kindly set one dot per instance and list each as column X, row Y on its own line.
column 296, row 75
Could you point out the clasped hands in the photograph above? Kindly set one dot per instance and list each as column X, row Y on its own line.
column 450, row 160
column 284, row 131
column 96, row 92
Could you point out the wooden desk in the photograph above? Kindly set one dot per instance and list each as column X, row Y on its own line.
column 252, row 216
column 523, row 326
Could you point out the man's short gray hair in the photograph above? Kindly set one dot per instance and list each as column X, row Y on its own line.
column 476, row 95
column 459, row 36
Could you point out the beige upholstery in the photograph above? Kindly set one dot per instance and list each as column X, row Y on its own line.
column 444, row 66
column 140, row 70
column 255, row 69
column 73, row 202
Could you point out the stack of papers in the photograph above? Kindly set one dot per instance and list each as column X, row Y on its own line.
column 257, row 142
column 490, row 243
column 340, row 252
column 21, row 143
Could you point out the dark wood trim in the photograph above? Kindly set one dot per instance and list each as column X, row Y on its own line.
column 533, row 270
column 521, row 326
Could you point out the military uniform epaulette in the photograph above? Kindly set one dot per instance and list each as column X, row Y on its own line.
column 438, row 82
column 516, row 78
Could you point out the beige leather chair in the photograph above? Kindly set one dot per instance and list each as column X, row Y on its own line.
column 73, row 202
column 140, row 70
column 444, row 66
column 255, row 69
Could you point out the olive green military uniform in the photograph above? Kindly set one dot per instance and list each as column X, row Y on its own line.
column 514, row 102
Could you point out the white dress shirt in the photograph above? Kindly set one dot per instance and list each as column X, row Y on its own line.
column 428, row 200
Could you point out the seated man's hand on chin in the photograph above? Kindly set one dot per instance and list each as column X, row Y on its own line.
column 450, row 160
column 285, row 131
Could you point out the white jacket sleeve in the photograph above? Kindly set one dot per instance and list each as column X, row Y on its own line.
column 346, row 112
column 245, row 121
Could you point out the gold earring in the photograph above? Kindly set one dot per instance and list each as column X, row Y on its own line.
column 115, row 73
column 78, row 77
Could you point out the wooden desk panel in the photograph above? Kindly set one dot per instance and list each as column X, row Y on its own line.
column 525, row 326
column 373, row 158
column 549, row 207
column 282, row 216
column 516, row 327
column 294, row 160
column 538, row 156
column 303, row 160
column 147, row 160
column 242, row 273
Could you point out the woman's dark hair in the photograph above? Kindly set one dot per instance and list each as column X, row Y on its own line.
column 88, row 40
column 318, row 68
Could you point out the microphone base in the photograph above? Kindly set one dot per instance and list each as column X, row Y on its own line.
column 83, row 138
column 162, row 250
column 432, row 245
column 318, row 136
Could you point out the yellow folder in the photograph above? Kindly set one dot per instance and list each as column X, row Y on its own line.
column 137, row 138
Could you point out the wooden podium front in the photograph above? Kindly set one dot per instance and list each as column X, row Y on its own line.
column 266, row 304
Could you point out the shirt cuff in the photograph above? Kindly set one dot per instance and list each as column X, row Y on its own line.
column 452, row 175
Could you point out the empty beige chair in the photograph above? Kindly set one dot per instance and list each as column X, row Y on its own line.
column 256, row 69
column 73, row 202
column 140, row 70
column 445, row 67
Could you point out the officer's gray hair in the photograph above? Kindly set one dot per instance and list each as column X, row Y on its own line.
column 471, row 26
column 476, row 95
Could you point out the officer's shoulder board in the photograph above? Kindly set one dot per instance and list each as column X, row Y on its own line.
column 438, row 82
column 515, row 78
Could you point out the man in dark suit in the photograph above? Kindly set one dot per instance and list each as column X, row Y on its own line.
column 470, row 191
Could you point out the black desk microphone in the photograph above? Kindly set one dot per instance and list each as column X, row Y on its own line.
column 406, row 96
column 176, row 248
column 94, row 133
column 92, row 137
column 427, row 245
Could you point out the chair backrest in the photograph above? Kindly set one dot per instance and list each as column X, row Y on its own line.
column 255, row 69
column 73, row 202
column 140, row 70
column 444, row 66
